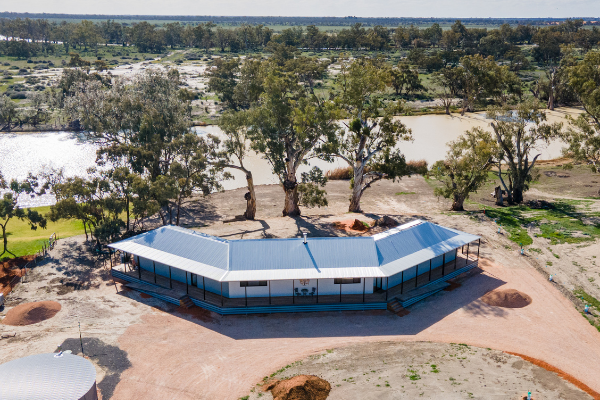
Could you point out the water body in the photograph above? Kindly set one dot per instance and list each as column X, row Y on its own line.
column 40, row 152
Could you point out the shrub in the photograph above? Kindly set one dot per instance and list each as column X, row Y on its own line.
column 6, row 64
column 343, row 173
column 417, row 167
column 18, row 95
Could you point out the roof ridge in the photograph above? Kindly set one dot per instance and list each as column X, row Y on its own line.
column 195, row 233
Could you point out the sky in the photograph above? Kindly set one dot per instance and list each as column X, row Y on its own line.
column 335, row 8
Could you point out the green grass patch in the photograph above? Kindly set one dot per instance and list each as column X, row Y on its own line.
column 22, row 240
column 587, row 298
column 403, row 193
column 562, row 223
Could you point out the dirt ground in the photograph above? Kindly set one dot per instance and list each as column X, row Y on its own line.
column 145, row 349
column 392, row 370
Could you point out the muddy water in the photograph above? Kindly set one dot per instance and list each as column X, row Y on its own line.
column 38, row 152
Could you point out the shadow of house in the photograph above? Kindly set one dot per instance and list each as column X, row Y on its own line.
column 348, row 323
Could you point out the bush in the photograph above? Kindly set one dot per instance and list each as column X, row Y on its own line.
column 14, row 67
column 418, row 167
column 29, row 61
column 343, row 173
column 18, row 95
column 6, row 64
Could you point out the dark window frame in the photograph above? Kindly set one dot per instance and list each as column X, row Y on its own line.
column 346, row 281
column 253, row 283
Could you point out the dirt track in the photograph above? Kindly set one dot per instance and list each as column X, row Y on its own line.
column 222, row 358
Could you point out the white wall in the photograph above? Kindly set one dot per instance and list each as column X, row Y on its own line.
column 286, row 288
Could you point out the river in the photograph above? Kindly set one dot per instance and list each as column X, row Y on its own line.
column 38, row 152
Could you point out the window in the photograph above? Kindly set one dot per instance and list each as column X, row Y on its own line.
column 346, row 281
column 252, row 283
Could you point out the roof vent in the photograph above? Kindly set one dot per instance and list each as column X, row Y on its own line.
column 304, row 234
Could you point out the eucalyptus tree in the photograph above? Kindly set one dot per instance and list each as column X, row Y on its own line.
column 519, row 133
column 286, row 125
column 583, row 134
column 10, row 209
column 236, row 146
column 144, row 125
column 368, row 141
column 465, row 168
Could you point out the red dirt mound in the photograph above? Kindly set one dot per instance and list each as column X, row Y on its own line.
column 9, row 272
column 509, row 298
column 351, row 225
column 301, row 387
column 31, row 313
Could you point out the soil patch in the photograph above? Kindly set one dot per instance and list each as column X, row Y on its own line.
column 301, row 387
column 199, row 313
column 453, row 285
column 31, row 313
column 562, row 374
column 352, row 225
column 11, row 270
column 145, row 296
column 509, row 298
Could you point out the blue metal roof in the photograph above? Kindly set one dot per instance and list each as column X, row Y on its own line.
column 383, row 254
column 317, row 253
column 408, row 241
column 195, row 246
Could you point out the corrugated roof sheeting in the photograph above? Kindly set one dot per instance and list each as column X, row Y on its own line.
column 288, row 254
column 384, row 254
column 186, row 243
column 170, row 259
column 408, row 241
column 420, row 256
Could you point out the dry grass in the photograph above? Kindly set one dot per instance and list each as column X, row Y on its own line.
column 339, row 174
column 418, row 167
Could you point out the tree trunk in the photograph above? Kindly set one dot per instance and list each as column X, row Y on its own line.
column 127, row 209
column 499, row 196
column 517, row 194
column 551, row 100
column 357, row 190
column 457, row 203
column 250, row 198
column 291, row 208
column 4, row 239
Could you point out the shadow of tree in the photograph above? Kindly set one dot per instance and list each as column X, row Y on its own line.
column 110, row 358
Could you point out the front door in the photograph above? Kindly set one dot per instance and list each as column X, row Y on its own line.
column 194, row 280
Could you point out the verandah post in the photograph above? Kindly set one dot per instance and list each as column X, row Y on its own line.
column 443, row 264
column 417, row 276
column 478, row 247
column 187, row 288
column 402, row 282
column 430, row 269
column 455, row 257
column 170, row 281
column 221, row 294
column 203, row 285
column 364, row 284
column 468, row 245
column 154, row 266
column 317, row 291
column 269, row 292
column 246, row 295
column 139, row 268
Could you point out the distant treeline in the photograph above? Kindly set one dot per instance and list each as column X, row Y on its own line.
column 296, row 21
column 29, row 37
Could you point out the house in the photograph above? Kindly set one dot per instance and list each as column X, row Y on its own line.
column 298, row 274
